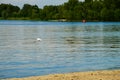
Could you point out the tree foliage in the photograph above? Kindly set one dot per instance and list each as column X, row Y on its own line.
column 73, row 10
column 8, row 10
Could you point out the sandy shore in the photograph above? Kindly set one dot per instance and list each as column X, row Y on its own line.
column 92, row 75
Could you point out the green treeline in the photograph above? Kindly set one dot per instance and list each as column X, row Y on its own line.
column 73, row 10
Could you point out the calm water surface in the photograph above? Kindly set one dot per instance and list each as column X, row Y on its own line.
column 65, row 47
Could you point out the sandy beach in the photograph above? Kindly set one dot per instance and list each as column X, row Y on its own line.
column 91, row 75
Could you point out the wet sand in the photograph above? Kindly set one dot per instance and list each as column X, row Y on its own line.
column 92, row 75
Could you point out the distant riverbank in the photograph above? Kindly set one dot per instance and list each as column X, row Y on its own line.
column 92, row 75
column 73, row 10
column 56, row 20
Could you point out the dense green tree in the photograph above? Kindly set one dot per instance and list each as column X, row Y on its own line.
column 107, row 15
column 8, row 10
column 88, row 1
column 50, row 12
column 35, row 12
column 70, row 9
column 73, row 10
column 26, row 10
column 4, row 14
column 117, row 14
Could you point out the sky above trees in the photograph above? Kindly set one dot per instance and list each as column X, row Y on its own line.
column 40, row 3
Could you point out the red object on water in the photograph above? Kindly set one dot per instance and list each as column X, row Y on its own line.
column 84, row 21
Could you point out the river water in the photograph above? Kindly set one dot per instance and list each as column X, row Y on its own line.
column 65, row 47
